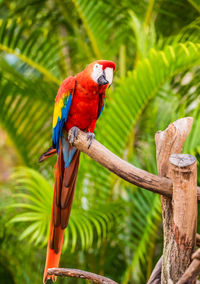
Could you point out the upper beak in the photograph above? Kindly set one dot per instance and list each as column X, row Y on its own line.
column 102, row 79
column 109, row 75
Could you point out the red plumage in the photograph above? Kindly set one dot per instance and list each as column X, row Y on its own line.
column 87, row 102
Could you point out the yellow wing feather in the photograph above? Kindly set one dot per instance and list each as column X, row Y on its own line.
column 58, row 109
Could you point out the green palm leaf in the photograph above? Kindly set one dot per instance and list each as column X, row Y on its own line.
column 25, row 117
column 145, row 219
column 102, row 23
column 34, row 198
column 36, row 49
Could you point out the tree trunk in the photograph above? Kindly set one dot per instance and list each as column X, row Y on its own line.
column 168, row 142
column 183, row 172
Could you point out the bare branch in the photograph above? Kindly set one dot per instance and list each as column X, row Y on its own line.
column 198, row 240
column 123, row 169
column 155, row 277
column 192, row 271
column 76, row 273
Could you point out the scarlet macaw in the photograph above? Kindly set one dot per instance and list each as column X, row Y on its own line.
column 78, row 104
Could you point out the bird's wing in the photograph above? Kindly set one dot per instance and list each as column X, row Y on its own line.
column 101, row 104
column 61, row 108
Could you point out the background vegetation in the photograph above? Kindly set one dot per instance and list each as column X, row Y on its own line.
column 115, row 229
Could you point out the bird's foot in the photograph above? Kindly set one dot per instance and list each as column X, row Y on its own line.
column 90, row 137
column 73, row 134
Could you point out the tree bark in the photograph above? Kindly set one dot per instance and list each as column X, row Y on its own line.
column 198, row 240
column 183, row 172
column 121, row 168
column 193, row 270
column 169, row 141
column 77, row 273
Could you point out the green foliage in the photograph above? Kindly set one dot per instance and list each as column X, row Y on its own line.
column 23, row 116
column 32, row 49
column 34, row 197
column 114, row 228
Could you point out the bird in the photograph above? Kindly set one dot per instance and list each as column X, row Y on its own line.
column 78, row 104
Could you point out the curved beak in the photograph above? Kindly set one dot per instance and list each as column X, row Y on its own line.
column 106, row 77
column 102, row 79
column 109, row 75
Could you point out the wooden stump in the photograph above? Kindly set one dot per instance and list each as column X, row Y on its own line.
column 183, row 172
column 168, row 142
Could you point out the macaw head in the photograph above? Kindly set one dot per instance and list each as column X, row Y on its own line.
column 102, row 72
column 97, row 74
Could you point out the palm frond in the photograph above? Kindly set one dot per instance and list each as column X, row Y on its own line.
column 172, row 16
column 25, row 117
column 144, row 215
column 192, row 144
column 34, row 197
column 37, row 50
column 145, row 219
column 102, row 23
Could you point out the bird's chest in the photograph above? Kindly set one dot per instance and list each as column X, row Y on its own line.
column 84, row 109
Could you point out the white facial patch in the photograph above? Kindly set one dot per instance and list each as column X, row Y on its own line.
column 97, row 72
column 109, row 74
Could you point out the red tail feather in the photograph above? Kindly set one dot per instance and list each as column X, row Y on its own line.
column 50, row 152
column 64, row 188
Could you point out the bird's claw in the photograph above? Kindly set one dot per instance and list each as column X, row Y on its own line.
column 90, row 137
column 73, row 134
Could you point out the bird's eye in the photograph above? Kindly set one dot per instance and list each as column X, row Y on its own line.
column 97, row 66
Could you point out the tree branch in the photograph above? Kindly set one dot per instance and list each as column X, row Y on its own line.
column 76, row 273
column 193, row 270
column 198, row 240
column 123, row 169
column 155, row 277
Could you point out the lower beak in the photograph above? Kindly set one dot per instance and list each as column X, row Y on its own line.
column 102, row 80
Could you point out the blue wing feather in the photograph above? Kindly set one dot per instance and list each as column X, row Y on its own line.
column 68, row 151
column 57, row 130
column 101, row 109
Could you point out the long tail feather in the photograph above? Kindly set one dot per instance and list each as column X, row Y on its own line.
column 50, row 152
column 64, row 188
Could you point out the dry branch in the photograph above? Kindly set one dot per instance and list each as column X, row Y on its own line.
column 190, row 274
column 192, row 271
column 76, row 273
column 155, row 277
column 122, row 168
column 198, row 240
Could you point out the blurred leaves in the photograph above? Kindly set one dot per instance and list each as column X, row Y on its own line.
column 34, row 197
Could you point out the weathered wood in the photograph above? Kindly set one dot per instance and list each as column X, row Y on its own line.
column 155, row 277
column 183, row 172
column 120, row 167
column 169, row 141
column 198, row 240
column 128, row 172
column 190, row 274
column 192, row 271
column 76, row 273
